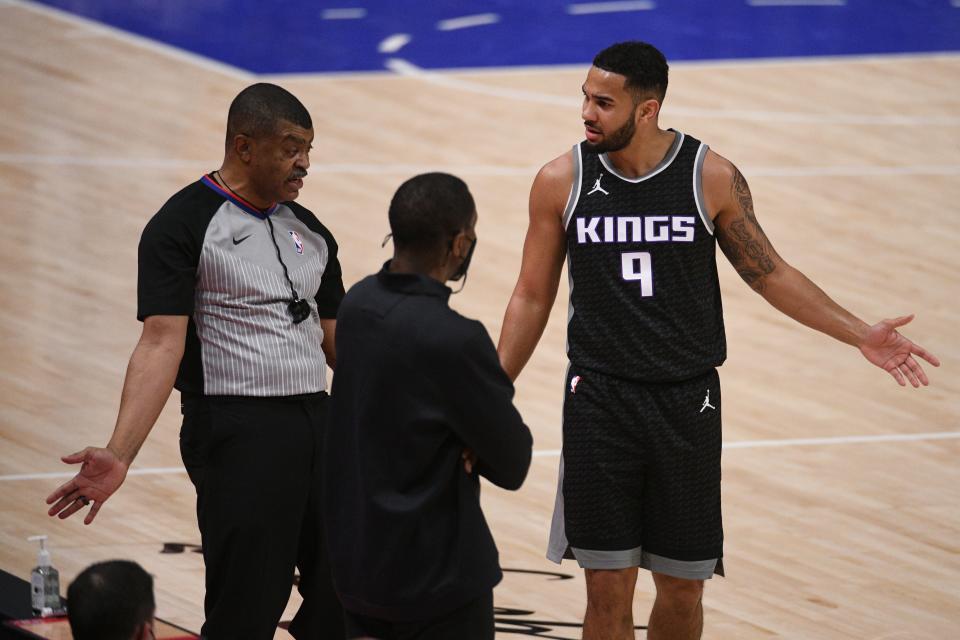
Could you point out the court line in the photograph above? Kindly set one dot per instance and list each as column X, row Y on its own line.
column 552, row 453
column 392, row 44
column 803, row 442
column 848, row 171
column 797, row 3
column 408, row 69
column 138, row 41
column 56, row 475
column 589, row 8
column 466, row 22
column 343, row 14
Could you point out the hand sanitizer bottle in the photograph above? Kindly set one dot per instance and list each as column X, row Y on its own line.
column 44, row 582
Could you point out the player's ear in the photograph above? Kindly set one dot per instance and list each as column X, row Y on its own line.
column 648, row 110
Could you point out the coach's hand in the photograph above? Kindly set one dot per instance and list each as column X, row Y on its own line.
column 885, row 347
column 469, row 460
column 101, row 474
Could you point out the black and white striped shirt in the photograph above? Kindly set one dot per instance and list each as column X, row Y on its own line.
column 208, row 254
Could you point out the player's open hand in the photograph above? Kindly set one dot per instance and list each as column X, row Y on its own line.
column 886, row 348
column 100, row 475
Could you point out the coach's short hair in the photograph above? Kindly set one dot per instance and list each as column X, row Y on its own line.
column 110, row 601
column 643, row 65
column 429, row 210
column 258, row 109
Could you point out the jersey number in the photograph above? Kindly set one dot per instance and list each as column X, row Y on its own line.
column 636, row 266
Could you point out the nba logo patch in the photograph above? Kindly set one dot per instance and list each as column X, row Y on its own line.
column 573, row 384
column 297, row 241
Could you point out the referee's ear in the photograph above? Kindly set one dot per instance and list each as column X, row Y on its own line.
column 242, row 147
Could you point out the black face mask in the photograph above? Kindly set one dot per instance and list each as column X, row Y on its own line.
column 461, row 272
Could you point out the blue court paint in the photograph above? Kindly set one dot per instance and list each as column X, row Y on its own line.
column 271, row 37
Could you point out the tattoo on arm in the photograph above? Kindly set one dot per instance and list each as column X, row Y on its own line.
column 744, row 242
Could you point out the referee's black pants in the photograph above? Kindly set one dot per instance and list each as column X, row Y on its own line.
column 254, row 463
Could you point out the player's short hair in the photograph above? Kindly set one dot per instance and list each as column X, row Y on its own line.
column 642, row 64
column 110, row 601
column 259, row 109
column 429, row 210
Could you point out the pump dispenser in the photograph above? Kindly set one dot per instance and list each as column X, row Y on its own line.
column 44, row 581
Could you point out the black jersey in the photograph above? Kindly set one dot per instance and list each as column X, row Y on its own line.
column 644, row 294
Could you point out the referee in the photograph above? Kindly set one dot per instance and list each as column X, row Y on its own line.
column 238, row 291
column 420, row 408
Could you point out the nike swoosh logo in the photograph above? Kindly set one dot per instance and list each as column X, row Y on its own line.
column 236, row 242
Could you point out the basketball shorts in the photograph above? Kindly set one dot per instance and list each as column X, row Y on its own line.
column 640, row 475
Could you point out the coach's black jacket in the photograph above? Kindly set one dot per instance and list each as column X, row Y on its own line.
column 416, row 383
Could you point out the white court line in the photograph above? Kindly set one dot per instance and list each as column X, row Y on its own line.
column 465, row 22
column 552, row 453
column 392, row 44
column 586, row 8
column 854, row 171
column 406, row 68
column 343, row 14
column 797, row 3
column 802, row 442
column 154, row 471
column 137, row 41
column 472, row 169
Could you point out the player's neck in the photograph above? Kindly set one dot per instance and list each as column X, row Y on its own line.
column 646, row 151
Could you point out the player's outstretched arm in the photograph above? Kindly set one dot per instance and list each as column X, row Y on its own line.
column 149, row 380
column 750, row 252
column 543, row 252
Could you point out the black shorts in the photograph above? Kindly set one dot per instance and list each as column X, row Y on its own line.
column 640, row 475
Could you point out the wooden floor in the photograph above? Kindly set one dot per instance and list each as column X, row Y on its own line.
column 833, row 530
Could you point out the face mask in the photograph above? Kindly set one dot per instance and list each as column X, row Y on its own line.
column 461, row 272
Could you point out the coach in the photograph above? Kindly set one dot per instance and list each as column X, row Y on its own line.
column 420, row 407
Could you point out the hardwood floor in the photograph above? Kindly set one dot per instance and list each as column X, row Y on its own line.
column 841, row 490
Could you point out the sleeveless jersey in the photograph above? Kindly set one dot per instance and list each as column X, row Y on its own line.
column 641, row 257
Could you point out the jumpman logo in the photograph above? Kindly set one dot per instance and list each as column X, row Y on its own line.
column 597, row 187
column 706, row 403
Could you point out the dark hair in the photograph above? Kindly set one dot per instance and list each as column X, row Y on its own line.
column 110, row 601
column 258, row 109
column 429, row 210
column 642, row 64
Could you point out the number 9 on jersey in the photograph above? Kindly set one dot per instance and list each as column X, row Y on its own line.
column 636, row 266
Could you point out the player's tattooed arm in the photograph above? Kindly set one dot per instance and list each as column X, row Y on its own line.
column 742, row 239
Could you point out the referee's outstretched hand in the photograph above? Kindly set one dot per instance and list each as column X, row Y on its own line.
column 100, row 475
column 886, row 348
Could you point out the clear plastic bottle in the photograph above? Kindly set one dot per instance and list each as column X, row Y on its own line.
column 44, row 582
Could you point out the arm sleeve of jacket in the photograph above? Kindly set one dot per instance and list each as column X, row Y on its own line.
column 483, row 413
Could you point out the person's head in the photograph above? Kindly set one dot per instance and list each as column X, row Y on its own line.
column 269, row 137
column 432, row 220
column 111, row 601
column 624, row 90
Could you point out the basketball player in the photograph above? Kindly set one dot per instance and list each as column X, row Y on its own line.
column 637, row 211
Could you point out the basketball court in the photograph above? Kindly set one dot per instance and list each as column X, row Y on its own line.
column 841, row 490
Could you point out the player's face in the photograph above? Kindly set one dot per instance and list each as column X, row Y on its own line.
column 279, row 162
column 609, row 111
